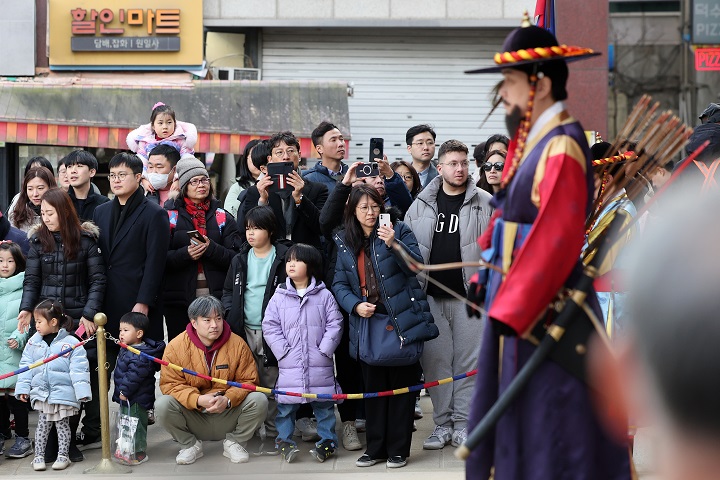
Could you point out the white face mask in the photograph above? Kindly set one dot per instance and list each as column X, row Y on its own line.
column 158, row 180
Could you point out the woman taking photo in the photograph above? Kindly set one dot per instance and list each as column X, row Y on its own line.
column 409, row 175
column 203, row 240
column 491, row 171
column 25, row 213
column 64, row 263
column 376, row 287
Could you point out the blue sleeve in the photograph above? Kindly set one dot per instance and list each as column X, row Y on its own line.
column 398, row 193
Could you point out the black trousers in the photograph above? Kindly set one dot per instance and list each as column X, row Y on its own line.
column 8, row 404
column 349, row 377
column 91, row 421
column 176, row 320
column 389, row 419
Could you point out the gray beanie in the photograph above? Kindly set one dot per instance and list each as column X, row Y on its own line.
column 188, row 168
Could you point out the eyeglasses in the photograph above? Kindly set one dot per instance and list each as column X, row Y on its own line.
column 119, row 176
column 453, row 165
column 199, row 181
column 497, row 166
column 429, row 143
column 365, row 208
column 281, row 153
column 407, row 177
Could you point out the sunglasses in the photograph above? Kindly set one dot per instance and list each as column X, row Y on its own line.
column 497, row 166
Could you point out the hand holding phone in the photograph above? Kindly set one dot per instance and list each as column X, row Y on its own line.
column 385, row 220
column 195, row 235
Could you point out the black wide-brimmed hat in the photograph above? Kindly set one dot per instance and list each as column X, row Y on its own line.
column 529, row 45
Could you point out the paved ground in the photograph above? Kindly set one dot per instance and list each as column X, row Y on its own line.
column 423, row 464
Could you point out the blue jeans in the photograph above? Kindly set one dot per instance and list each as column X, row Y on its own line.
column 324, row 413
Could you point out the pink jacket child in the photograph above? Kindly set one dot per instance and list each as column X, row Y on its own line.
column 303, row 333
column 162, row 129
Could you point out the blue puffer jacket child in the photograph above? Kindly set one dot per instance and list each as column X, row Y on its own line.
column 63, row 381
column 10, row 296
column 402, row 295
column 134, row 375
column 303, row 333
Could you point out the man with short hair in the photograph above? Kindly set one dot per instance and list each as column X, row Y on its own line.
column 81, row 166
column 193, row 409
column 330, row 145
column 447, row 217
column 297, row 210
column 420, row 141
column 160, row 174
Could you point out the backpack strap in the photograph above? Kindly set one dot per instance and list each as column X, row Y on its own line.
column 173, row 217
column 220, row 218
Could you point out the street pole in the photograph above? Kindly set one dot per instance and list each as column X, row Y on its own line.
column 106, row 466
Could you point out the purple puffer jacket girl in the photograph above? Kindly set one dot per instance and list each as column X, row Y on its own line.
column 303, row 333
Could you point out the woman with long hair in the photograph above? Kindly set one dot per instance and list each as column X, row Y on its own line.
column 203, row 240
column 491, row 171
column 247, row 175
column 25, row 213
column 409, row 175
column 64, row 263
column 376, row 287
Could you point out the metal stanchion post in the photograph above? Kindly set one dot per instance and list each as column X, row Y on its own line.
column 106, row 465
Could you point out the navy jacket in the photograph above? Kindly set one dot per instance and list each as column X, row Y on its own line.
column 134, row 375
column 321, row 174
column 402, row 295
column 8, row 232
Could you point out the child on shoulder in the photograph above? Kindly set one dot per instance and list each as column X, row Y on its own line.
column 55, row 389
column 303, row 327
column 12, row 342
column 162, row 129
column 134, row 379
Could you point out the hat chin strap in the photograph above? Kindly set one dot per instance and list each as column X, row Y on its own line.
column 523, row 129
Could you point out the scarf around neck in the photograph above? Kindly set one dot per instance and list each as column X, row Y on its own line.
column 197, row 212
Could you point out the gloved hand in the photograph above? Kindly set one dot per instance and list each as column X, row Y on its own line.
column 476, row 295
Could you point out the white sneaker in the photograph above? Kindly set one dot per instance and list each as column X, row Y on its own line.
column 235, row 452
column 459, row 437
column 305, row 428
column 438, row 439
column 188, row 455
column 350, row 438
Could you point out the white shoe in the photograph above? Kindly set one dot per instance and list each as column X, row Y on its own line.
column 38, row 464
column 459, row 437
column 418, row 410
column 235, row 452
column 61, row 463
column 188, row 455
column 438, row 439
column 350, row 438
column 305, row 428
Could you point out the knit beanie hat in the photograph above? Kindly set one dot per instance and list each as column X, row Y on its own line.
column 189, row 167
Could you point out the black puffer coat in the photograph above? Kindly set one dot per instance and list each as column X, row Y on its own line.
column 402, row 295
column 181, row 270
column 134, row 375
column 79, row 284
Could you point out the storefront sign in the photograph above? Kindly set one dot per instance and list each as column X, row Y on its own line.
column 112, row 34
column 707, row 59
column 706, row 22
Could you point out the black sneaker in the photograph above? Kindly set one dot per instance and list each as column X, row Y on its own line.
column 366, row 461
column 288, row 450
column 151, row 417
column 323, row 450
column 85, row 442
column 396, row 462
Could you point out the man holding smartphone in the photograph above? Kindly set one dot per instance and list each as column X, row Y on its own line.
column 297, row 207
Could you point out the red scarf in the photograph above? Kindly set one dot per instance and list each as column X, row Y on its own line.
column 197, row 212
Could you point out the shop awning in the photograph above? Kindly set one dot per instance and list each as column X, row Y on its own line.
column 227, row 114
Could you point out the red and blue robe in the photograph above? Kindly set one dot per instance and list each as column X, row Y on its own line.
column 551, row 431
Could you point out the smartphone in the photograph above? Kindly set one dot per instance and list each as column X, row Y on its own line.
column 367, row 170
column 279, row 172
column 385, row 220
column 376, row 149
column 195, row 235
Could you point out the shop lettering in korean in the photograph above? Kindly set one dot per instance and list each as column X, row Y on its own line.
column 706, row 22
column 125, row 30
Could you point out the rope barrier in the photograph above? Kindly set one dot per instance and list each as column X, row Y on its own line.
column 40, row 363
column 272, row 391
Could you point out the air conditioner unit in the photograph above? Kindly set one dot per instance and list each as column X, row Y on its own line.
column 232, row 73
